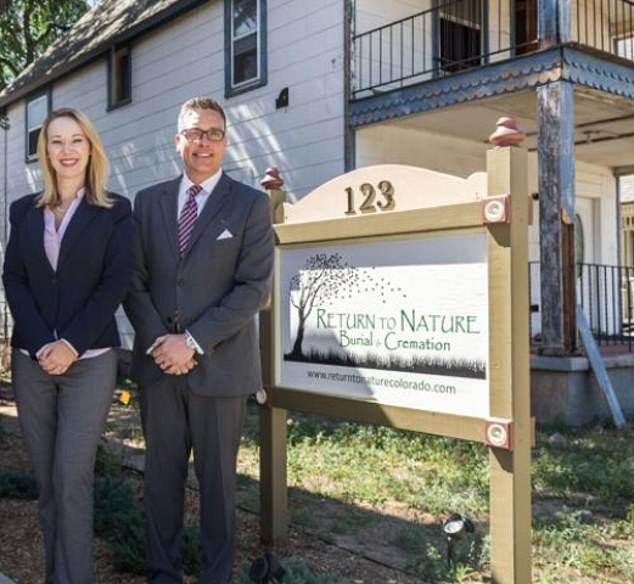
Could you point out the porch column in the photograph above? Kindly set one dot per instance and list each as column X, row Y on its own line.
column 554, row 22
column 556, row 168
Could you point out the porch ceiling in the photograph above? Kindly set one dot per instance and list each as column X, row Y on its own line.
column 604, row 127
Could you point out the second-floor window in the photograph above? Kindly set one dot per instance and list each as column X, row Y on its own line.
column 624, row 47
column 37, row 108
column 246, row 44
column 119, row 77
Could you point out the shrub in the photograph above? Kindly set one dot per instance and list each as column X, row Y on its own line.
column 119, row 520
column 297, row 572
column 16, row 485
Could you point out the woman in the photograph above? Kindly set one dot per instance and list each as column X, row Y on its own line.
column 66, row 271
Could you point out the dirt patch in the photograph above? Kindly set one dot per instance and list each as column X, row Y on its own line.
column 21, row 550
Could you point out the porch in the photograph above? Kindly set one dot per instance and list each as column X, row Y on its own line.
column 564, row 389
column 427, row 88
column 606, row 296
column 445, row 38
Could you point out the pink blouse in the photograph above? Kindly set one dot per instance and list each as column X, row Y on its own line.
column 53, row 243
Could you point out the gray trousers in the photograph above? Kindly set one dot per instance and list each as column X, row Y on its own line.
column 175, row 422
column 62, row 417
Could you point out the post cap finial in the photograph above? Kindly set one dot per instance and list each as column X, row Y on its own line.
column 272, row 180
column 507, row 133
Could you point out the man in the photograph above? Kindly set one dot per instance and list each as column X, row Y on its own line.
column 203, row 262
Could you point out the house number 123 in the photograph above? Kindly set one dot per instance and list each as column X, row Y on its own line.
column 371, row 202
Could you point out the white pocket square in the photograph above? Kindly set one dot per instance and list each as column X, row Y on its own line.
column 226, row 234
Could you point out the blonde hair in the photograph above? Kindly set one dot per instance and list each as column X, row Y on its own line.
column 96, row 171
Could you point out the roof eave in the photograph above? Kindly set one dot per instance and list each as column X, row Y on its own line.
column 135, row 31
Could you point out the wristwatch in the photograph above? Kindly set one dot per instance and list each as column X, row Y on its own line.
column 191, row 342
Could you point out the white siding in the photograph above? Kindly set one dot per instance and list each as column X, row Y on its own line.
column 374, row 13
column 385, row 143
column 186, row 58
column 402, row 50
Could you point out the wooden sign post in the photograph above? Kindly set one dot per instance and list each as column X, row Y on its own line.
column 401, row 299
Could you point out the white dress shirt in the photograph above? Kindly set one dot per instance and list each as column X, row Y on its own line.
column 201, row 198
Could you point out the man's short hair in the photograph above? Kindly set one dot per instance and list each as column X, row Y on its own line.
column 200, row 103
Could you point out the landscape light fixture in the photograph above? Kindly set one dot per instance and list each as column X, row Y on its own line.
column 261, row 397
column 454, row 527
column 266, row 570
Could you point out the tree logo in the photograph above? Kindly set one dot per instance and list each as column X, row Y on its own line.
column 326, row 277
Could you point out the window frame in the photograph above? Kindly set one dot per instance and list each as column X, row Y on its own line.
column 260, row 80
column 111, row 64
column 41, row 93
column 626, row 39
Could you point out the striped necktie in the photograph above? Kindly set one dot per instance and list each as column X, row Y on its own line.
column 187, row 218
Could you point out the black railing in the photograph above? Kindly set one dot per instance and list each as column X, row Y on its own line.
column 606, row 25
column 606, row 295
column 443, row 39
column 462, row 34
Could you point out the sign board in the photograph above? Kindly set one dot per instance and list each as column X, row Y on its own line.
column 400, row 298
column 385, row 321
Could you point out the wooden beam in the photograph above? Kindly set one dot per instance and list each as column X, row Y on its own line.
column 368, row 412
column 564, row 15
column 569, row 288
column 547, row 23
column 555, row 153
column 509, row 483
column 623, row 170
column 554, row 23
column 462, row 216
column 600, row 372
column 273, row 488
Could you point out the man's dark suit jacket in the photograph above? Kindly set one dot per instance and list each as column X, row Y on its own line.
column 214, row 291
column 79, row 300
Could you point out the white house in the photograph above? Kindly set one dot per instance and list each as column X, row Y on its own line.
column 318, row 88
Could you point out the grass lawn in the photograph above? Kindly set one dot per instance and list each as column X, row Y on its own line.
column 385, row 493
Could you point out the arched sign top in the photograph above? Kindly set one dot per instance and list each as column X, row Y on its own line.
column 383, row 188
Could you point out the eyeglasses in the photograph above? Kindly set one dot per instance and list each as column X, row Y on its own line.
column 196, row 134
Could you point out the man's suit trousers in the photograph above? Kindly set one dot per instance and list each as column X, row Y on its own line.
column 175, row 422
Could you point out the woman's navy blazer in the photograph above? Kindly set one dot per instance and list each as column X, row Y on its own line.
column 78, row 301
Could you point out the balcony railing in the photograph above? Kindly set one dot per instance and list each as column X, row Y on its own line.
column 605, row 25
column 462, row 34
column 606, row 294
